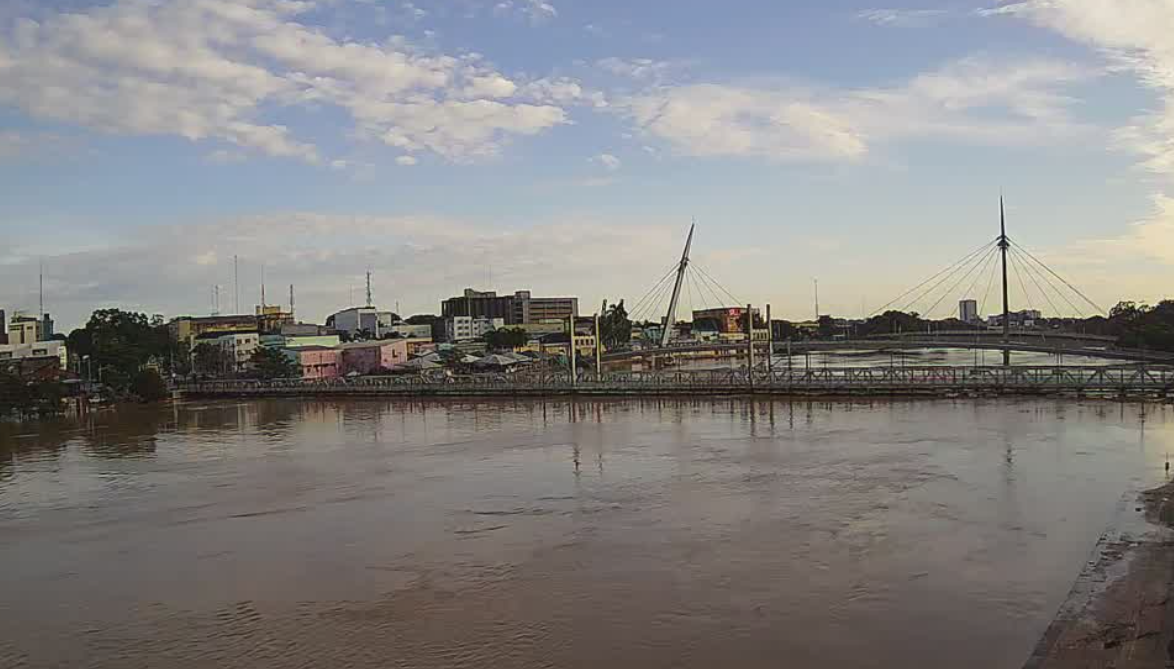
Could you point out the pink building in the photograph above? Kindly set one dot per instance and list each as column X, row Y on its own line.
column 370, row 357
column 317, row 362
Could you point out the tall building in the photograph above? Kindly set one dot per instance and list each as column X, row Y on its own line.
column 529, row 309
column 968, row 311
column 479, row 304
column 521, row 308
column 3, row 327
column 25, row 329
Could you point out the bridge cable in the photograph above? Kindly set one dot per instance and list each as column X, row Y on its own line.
column 989, row 284
column 640, row 304
column 1062, row 279
column 951, row 289
column 705, row 274
column 923, row 283
column 1076, row 310
column 1019, row 277
column 1031, row 275
column 717, row 300
column 981, row 273
column 946, row 275
column 663, row 290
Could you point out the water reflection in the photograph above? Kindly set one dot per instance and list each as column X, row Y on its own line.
column 561, row 533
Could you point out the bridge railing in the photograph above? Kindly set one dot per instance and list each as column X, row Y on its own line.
column 831, row 379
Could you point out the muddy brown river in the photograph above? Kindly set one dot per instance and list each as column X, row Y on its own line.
column 614, row 534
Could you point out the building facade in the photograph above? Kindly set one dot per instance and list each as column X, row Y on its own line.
column 373, row 357
column 298, row 341
column 518, row 309
column 968, row 311
column 362, row 320
column 56, row 350
column 316, row 362
column 186, row 329
column 528, row 309
column 464, row 328
column 728, row 319
column 478, row 304
column 239, row 348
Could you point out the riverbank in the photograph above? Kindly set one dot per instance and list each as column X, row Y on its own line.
column 1120, row 612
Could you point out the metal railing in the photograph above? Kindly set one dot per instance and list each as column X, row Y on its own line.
column 832, row 380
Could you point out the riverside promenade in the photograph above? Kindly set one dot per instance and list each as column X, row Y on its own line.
column 936, row 381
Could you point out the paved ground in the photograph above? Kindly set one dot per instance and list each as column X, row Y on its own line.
column 1120, row 613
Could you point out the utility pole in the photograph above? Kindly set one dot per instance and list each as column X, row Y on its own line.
column 370, row 301
column 262, row 288
column 770, row 342
column 598, row 350
column 1004, row 246
column 671, row 318
column 816, row 282
column 291, row 301
column 750, row 345
column 571, row 354
column 236, row 286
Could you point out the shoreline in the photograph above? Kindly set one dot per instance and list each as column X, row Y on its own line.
column 1120, row 611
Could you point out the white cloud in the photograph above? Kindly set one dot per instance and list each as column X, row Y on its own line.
column 1002, row 102
column 214, row 69
column 406, row 161
column 1134, row 35
column 418, row 261
column 608, row 162
column 639, row 69
column 536, row 11
column 903, row 18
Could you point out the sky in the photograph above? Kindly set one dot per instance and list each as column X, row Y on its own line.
column 565, row 146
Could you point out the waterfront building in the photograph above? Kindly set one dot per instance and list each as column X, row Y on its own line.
column 726, row 319
column 316, row 362
column 362, row 321
column 372, row 357
column 238, row 348
column 464, row 328
column 298, row 341
column 55, row 350
column 186, row 329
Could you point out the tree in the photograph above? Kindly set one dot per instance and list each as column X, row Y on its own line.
column 209, row 359
column 272, row 363
column 500, row 340
column 148, row 386
column 615, row 328
column 119, row 343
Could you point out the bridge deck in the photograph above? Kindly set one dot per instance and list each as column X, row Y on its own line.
column 1107, row 381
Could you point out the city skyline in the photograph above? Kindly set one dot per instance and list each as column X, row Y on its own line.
column 564, row 147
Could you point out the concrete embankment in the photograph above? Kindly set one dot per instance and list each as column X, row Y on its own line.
column 1120, row 612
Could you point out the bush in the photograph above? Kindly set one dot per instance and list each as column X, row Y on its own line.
column 148, row 386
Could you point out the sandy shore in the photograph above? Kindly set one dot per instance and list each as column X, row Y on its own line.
column 1120, row 613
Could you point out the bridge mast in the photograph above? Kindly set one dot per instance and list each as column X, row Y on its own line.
column 671, row 317
column 1004, row 245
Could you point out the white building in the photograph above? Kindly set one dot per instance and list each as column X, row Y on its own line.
column 406, row 331
column 363, row 319
column 464, row 328
column 239, row 348
column 44, row 349
column 968, row 311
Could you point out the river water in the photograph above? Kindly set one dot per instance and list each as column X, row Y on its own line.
column 619, row 534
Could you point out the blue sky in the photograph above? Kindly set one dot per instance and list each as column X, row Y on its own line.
column 564, row 146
